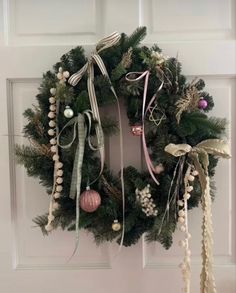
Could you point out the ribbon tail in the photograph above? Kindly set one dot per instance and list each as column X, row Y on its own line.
column 207, row 278
column 74, row 175
column 80, row 148
column 145, row 149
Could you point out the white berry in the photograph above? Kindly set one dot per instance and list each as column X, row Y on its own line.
column 181, row 220
column 59, row 188
column 53, row 141
column 66, row 74
column 181, row 213
column 189, row 188
column 59, row 180
column 59, row 165
column 59, row 75
column 52, row 123
column 191, row 178
column 48, row 228
column 59, row 173
column 52, row 108
column 52, row 100
column 51, row 132
column 53, row 148
column 53, row 91
column 51, row 115
column 182, row 243
column 55, row 158
column 195, row 173
column 187, row 196
column 56, row 195
column 51, row 218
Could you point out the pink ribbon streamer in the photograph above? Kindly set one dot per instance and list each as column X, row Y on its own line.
column 145, row 75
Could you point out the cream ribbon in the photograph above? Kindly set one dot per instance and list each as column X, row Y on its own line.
column 88, row 69
column 216, row 147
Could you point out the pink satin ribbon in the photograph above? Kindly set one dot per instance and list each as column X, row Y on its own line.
column 145, row 75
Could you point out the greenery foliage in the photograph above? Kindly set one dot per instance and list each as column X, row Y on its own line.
column 193, row 127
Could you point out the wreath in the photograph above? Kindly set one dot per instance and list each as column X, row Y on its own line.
column 181, row 144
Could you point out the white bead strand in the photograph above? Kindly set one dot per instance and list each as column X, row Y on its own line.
column 53, row 131
column 183, row 226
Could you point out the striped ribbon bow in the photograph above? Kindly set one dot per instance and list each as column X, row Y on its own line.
column 88, row 69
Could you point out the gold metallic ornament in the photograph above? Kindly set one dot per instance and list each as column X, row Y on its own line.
column 116, row 226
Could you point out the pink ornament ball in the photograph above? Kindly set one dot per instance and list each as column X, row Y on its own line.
column 90, row 200
column 202, row 104
column 137, row 130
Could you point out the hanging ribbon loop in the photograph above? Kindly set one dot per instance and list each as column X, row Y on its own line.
column 140, row 76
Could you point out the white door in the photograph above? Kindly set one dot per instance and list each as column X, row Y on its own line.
column 33, row 35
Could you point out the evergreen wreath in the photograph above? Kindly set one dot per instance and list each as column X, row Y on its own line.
column 177, row 116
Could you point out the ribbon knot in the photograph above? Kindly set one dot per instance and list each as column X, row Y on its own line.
column 199, row 155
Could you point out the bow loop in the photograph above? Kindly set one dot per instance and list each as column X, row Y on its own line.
column 178, row 150
column 216, row 147
column 108, row 42
column 103, row 44
column 76, row 77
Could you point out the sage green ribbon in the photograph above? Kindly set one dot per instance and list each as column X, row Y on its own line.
column 81, row 131
column 199, row 155
column 88, row 69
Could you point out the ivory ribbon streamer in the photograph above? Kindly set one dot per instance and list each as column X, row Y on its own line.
column 145, row 75
column 88, row 68
column 218, row 148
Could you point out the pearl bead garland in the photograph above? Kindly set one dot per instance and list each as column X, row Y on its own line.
column 144, row 197
column 53, row 131
column 183, row 226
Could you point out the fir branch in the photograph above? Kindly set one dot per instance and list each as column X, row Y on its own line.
column 135, row 38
